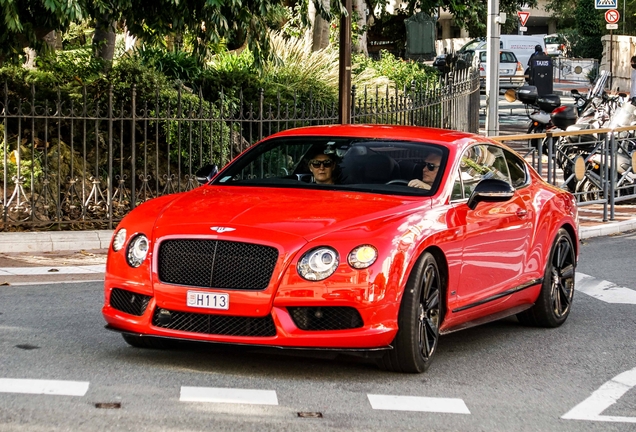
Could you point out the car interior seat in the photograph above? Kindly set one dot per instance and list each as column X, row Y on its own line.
column 369, row 168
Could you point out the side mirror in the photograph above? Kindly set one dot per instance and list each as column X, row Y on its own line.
column 206, row 173
column 490, row 190
column 575, row 92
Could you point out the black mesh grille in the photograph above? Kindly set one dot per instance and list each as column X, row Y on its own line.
column 216, row 324
column 325, row 318
column 128, row 301
column 216, row 264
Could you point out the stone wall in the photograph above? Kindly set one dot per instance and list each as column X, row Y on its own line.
column 622, row 49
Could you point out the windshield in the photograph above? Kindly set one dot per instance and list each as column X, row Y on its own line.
column 472, row 45
column 553, row 40
column 381, row 166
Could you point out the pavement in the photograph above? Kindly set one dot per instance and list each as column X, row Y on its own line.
column 78, row 256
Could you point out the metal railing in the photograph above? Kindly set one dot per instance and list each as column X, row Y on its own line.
column 84, row 164
column 597, row 165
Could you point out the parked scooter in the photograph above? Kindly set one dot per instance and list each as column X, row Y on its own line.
column 591, row 187
column 541, row 111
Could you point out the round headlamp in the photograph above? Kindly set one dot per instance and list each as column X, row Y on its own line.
column 362, row 256
column 137, row 250
column 318, row 264
column 119, row 239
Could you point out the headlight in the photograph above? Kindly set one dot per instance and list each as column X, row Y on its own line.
column 362, row 256
column 119, row 239
column 137, row 251
column 318, row 264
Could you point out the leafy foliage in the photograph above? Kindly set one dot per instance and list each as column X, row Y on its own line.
column 402, row 72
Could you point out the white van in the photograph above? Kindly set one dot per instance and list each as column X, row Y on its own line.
column 521, row 45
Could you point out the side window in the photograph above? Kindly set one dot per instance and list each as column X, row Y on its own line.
column 458, row 190
column 517, row 168
column 482, row 161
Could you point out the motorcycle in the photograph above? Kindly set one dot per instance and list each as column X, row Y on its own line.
column 591, row 187
column 539, row 110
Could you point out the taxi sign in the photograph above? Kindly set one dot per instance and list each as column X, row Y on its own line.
column 605, row 4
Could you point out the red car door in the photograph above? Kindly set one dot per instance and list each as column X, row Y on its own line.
column 495, row 236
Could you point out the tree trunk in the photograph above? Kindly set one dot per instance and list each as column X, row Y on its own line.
column 104, row 41
column 319, row 26
column 360, row 46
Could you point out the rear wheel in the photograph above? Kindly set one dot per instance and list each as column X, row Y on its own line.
column 420, row 316
column 555, row 299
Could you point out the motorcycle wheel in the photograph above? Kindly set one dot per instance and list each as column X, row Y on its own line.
column 588, row 191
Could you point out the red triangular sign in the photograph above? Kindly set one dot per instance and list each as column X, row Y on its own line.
column 523, row 17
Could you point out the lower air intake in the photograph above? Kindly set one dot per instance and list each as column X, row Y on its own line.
column 214, row 324
column 325, row 318
column 129, row 302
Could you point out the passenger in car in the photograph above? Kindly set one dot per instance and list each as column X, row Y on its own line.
column 322, row 167
column 432, row 163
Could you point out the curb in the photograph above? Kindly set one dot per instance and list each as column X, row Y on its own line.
column 55, row 241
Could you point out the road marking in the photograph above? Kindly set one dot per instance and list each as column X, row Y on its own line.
column 603, row 290
column 606, row 396
column 417, row 403
column 30, row 271
column 228, row 395
column 48, row 387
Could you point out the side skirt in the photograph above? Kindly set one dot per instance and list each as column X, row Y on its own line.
column 487, row 319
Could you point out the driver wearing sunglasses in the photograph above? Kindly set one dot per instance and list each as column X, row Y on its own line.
column 322, row 168
column 429, row 172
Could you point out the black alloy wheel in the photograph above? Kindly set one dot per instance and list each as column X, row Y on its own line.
column 562, row 276
column 419, row 320
column 555, row 299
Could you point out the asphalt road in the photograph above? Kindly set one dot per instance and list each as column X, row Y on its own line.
column 497, row 377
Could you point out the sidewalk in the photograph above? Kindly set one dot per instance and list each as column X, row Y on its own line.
column 563, row 87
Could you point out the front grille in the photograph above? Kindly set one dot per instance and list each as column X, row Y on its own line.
column 325, row 318
column 128, row 301
column 216, row 264
column 214, row 324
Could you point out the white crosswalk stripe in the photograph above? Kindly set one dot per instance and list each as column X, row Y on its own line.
column 417, row 403
column 603, row 290
column 228, row 395
column 46, row 387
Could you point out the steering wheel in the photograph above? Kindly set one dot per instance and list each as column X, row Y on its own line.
column 398, row 181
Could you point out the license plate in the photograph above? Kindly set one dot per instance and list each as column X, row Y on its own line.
column 208, row 300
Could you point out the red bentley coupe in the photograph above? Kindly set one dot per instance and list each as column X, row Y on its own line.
column 350, row 238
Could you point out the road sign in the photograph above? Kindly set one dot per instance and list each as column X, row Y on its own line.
column 612, row 16
column 611, row 26
column 605, row 4
column 523, row 17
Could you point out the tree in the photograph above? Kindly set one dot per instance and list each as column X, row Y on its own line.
column 27, row 22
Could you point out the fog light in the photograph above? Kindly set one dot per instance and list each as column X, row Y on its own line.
column 164, row 317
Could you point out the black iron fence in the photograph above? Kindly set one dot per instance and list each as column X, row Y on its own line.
column 82, row 163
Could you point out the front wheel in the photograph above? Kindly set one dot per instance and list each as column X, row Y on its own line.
column 419, row 319
column 557, row 291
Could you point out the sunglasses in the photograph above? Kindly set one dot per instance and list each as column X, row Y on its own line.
column 430, row 166
column 327, row 163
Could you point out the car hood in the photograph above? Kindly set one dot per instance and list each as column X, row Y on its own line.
column 298, row 212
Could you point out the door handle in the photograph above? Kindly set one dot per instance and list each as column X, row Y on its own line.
column 522, row 213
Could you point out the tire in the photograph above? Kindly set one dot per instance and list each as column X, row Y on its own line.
column 557, row 291
column 147, row 342
column 420, row 316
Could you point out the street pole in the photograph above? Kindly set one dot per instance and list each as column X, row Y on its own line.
column 492, row 73
column 344, row 73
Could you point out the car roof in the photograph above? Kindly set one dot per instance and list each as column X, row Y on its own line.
column 406, row 133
